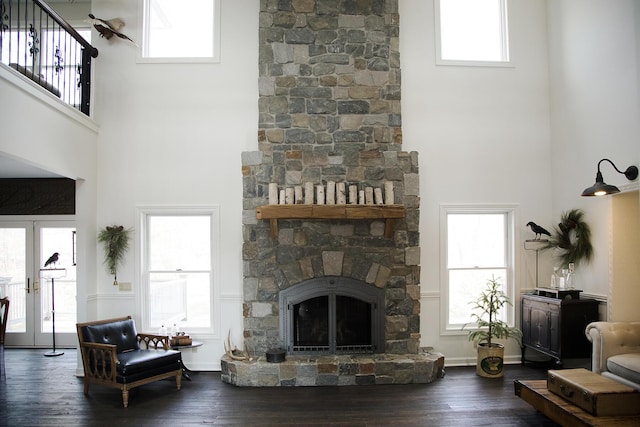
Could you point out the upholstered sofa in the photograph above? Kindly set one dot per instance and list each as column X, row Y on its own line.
column 115, row 355
column 616, row 350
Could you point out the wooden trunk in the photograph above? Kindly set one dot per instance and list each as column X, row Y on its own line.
column 594, row 393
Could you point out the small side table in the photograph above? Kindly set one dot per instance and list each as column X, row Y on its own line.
column 186, row 372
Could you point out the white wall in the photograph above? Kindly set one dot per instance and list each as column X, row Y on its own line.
column 595, row 114
column 38, row 129
column 483, row 137
column 172, row 134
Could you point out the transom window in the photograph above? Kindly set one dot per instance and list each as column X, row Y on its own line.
column 477, row 245
column 180, row 31
column 472, row 32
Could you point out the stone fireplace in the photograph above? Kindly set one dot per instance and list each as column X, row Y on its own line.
column 329, row 111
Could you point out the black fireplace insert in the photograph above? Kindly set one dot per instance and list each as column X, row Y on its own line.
column 332, row 315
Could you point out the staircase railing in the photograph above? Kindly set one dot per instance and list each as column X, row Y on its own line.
column 41, row 45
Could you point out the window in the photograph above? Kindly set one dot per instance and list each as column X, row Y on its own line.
column 180, row 30
column 478, row 244
column 472, row 32
column 178, row 253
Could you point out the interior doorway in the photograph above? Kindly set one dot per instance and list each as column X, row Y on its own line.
column 43, row 298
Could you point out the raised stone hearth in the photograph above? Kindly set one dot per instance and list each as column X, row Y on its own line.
column 365, row 369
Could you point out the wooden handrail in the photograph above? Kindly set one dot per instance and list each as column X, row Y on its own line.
column 68, row 28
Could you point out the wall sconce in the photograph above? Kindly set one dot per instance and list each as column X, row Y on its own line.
column 600, row 188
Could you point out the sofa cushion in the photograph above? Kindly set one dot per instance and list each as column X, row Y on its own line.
column 625, row 366
column 121, row 333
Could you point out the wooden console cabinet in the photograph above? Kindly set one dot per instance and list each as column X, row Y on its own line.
column 555, row 326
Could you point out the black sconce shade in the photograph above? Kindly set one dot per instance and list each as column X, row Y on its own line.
column 600, row 188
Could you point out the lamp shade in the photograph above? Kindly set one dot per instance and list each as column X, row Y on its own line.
column 600, row 188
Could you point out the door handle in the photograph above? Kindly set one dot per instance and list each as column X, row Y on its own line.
column 28, row 288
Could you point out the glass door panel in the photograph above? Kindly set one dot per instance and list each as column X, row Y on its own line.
column 57, row 287
column 25, row 246
column 16, row 282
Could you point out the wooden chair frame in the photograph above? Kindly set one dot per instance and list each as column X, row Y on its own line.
column 106, row 373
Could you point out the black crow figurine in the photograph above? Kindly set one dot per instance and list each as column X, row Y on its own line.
column 109, row 28
column 537, row 229
column 53, row 259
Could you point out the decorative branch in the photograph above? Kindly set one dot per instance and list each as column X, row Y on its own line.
column 116, row 243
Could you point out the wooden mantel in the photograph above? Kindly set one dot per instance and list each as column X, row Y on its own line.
column 331, row 212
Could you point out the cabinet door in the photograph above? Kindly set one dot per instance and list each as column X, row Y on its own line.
column 554, row 330
column 539, row 328
column 526, row 322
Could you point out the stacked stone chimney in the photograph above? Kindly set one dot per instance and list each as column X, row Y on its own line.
column 329, row 110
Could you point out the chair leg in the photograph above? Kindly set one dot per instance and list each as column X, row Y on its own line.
column 86, row 386
column 2, row 373
column 125, row 397
column 179, row 379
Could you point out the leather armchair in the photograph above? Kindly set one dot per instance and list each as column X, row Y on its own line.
column 113, row 354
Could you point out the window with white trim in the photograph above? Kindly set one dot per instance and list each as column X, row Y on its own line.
column 180, row 31
column 477, row 245
column 178, row 253
column 472, row 32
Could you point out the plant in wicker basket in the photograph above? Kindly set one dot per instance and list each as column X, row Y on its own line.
column 115, row 240
column 489, row 327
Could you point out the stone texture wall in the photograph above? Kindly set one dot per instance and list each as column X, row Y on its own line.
column 329, row 107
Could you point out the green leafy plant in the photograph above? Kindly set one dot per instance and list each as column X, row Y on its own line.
column 486, row 310
column 115, row 240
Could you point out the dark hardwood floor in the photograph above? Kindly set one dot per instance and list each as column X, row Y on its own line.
column 44, row 391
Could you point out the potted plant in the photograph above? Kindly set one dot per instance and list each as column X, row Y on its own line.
column 489, row 328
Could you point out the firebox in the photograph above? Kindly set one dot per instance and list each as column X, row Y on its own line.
column 332, row 315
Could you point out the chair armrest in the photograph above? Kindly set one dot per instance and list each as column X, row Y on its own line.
column 154, row 340
column 100, row 361
column 610, row 339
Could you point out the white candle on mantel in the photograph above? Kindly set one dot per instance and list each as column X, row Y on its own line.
column 361, row 197
column 330, row 195
column 377, row 195
column 341, row 196
column 289, row 196
column 320, row 194
column 368, row 195
column 389, row 198
column 297, row 190
column 353, row 194
column 273, row 193
column 308, row 193
column 282, row 198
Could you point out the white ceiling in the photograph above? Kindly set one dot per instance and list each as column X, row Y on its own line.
column 11, row 168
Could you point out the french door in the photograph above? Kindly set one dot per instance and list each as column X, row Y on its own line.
column 42, row 298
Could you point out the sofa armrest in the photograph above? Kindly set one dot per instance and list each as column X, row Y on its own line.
column 100, row 361
column 156, row 341
column 610, row 339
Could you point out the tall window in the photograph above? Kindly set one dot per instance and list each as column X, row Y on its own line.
column 178, row 254
column 180, row 30
column 473, row 32
column 478, row 245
